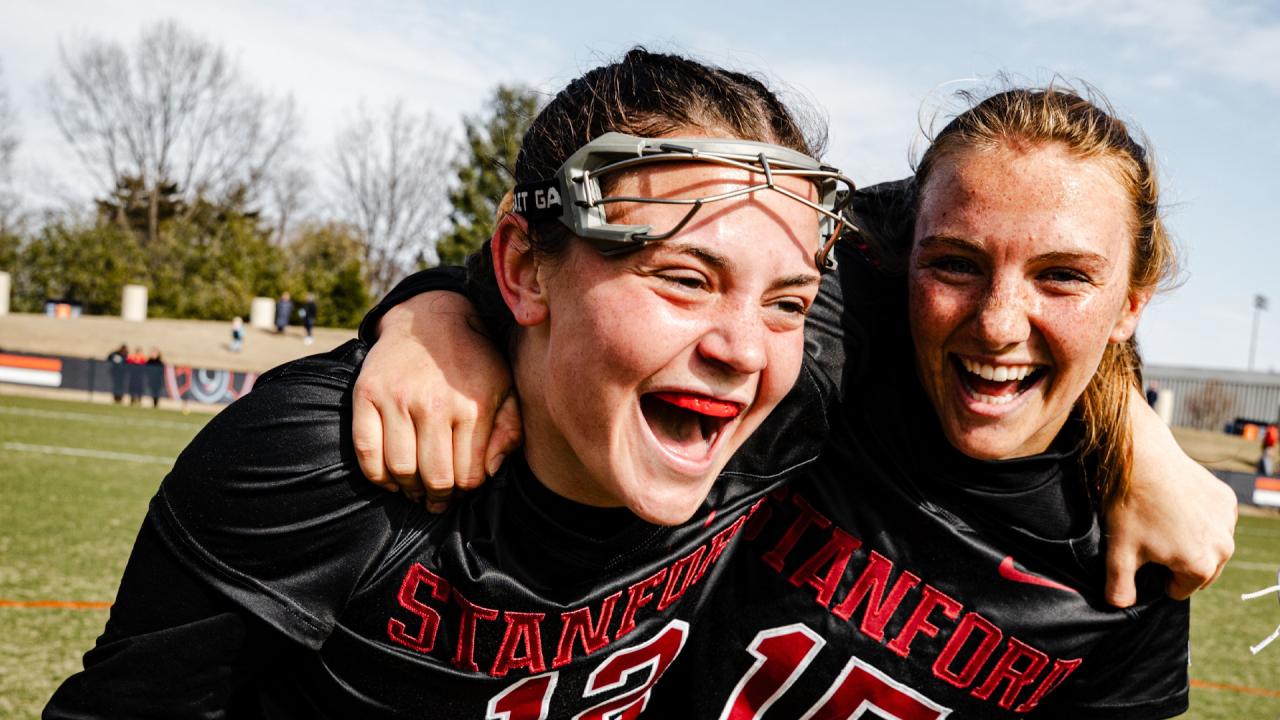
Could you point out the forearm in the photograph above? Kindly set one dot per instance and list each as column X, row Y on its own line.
column 445, row 277
column 1175, row 513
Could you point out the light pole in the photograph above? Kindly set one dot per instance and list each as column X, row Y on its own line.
column 1259, row 304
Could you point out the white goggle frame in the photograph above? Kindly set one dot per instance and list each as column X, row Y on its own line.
column 575, row 198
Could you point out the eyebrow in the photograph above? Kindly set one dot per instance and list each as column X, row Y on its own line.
column 1065, row 256
column 795, row 281
column 949, row 241
column 724, row 264
column 1054, row 256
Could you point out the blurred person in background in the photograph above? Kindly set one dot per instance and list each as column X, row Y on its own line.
column 237, row 334
column 119, row 372
column 136, row 363
column 155, row 376
column 308, row 312
column 1270, row 459
column 284, row 310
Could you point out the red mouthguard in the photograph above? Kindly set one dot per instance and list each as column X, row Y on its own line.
column 701, row 404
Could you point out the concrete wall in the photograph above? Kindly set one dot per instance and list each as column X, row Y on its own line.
column 1251, row 395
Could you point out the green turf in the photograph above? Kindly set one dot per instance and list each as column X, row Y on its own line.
column 1223, row 627
column 66, row 525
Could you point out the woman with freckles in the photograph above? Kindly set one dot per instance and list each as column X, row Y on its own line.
column 650, row 275
column 944, row 557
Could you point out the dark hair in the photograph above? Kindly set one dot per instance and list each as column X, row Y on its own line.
column 1086, row 126
column 646, row 94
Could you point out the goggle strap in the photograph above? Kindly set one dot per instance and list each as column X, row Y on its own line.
column 539, row 200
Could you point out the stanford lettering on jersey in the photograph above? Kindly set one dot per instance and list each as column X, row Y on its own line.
column 969, row 650
column 429, row 604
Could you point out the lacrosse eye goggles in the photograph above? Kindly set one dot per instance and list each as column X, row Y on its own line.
column 574, row 196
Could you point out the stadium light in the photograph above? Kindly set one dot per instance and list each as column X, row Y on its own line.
column 1259, row 304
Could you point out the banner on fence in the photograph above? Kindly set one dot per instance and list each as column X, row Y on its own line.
column 207, row 386
column 28, row 370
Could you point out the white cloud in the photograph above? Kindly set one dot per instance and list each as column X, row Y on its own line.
column 1235, row 40
column 873, row 115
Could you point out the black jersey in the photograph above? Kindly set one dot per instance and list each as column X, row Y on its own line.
column 864, row 583
column 272, row 580
column 899, row 576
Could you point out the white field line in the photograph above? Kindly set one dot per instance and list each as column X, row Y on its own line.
column 96, row 417
column 1264, row 532
column 83, row 452
column 1246, row 565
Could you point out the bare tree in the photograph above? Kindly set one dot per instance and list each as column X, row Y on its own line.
column 8, row 148
column 172, row 110
column 287, row 189
column 390, row 180
column 1209, row 405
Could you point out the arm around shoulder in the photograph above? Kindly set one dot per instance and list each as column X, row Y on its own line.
column 1176, row 514
column 434, row 405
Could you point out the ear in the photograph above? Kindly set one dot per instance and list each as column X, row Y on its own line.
column 1129, row 316
column 516, row 268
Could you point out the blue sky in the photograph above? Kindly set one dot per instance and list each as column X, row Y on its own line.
column 1201, row 78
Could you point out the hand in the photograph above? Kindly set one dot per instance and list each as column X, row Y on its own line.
column 1176, row 514
column 433, row 407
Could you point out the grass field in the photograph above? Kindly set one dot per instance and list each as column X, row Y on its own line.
column 75, row 480
column 66, row 525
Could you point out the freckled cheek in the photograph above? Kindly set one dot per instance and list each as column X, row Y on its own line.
column 595, row 380
column 1077, row 334
column 937, row 311
column 786, row 354
column 611, row 348
column 919, row 310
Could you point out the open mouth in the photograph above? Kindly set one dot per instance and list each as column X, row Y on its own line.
column 687, row 424
column 996, row 384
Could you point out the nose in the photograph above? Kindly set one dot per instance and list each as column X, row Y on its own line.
column 736, row 339
column 1004, row 316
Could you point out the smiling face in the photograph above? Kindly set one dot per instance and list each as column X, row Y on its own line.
column 1019, row 278
column 640, row 375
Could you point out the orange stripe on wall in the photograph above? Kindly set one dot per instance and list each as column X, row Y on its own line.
column 31, row 363
column 1266, row 484
column 56, row 604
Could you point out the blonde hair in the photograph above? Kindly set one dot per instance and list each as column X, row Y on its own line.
column 1086, row 126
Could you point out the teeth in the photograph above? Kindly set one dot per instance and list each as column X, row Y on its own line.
column 997, row 373
column 994, row 399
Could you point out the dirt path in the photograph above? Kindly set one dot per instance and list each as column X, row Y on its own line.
column 198, row 343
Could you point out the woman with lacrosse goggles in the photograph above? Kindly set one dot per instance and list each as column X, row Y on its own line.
column 650, row 275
